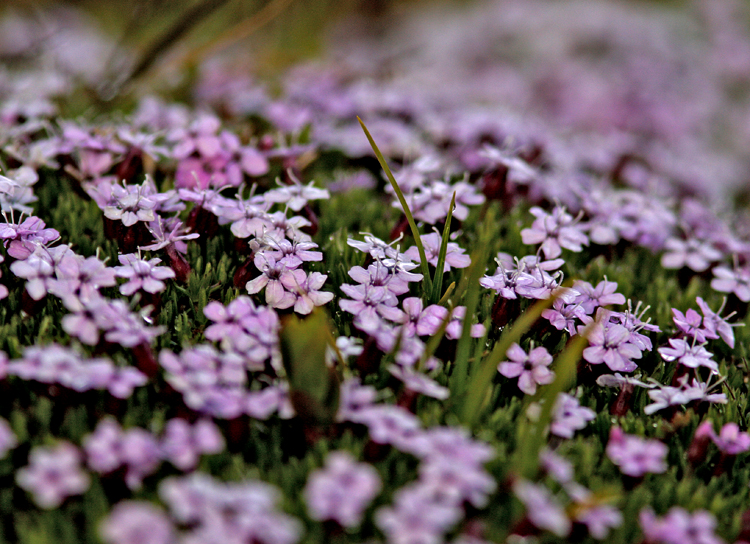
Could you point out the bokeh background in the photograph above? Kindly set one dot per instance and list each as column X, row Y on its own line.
column 669, row 79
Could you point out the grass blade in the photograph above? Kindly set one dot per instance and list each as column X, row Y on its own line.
column 535, row 434
column 437, row 280
column 473, row 288
column 409, row 217
column 481, row 381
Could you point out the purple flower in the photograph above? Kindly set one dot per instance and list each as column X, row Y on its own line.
column 419, row 321
column 210, row 381
column 454, row 256
column 110, row 447
column 603, row 294
column 379, row 275
column 270, row 279
column 369, row 304
column 716, row 325
column 563, row 316
column 666, row 395
column 418, row 382
column 78, row 279
column 731, row 440
column 679, row 527
column 689, row 324
column 454, row 328
column 569, row 416
column 696, row 254
column 64, row 366
column 130, row 204
column 342, row 490
column 137, row 522
column 634, row 455
column 289, row 253
column 26, row 236
column 53, row 474
column 248, row 217
column 541, row 508
column 306, row 290
column 735, row 281
column 598, row 518
column 200, row 137
column 214, row 511
column 416, row 516
column 609, row 343
column 389, row 424
column 354, row 398
column 183, row 444
column 531, row 370
column 689, row 354
column 142, row 274
column 168, row 232
column 554, row 231
column 295, row 196
column 430, row 203
column 37, row 270
column 375, row 247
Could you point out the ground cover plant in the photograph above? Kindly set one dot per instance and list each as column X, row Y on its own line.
column 366, row 309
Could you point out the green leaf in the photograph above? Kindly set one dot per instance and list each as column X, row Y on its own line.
column 481, row 380
column 437, row 281
column 535, row 434
column 427, row 284
column 313, row 386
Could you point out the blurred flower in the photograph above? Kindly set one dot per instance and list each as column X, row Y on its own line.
column 342, row 490
column 53, row 474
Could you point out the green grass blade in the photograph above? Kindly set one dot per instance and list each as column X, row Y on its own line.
column 535, row 434
column 409, row 217
column 471, row 301
column 481, row 381
column 437, row 280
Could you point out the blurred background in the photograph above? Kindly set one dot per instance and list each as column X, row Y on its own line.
column 669, row 79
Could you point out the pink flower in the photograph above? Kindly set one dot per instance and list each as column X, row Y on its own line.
column 531, row 370
column 306, row 289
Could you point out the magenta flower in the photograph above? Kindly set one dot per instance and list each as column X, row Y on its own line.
column 416, row 516
column 183, row 443
column 603, row 294
column 130, row 204
column 53, row 474
column 634, row 455
column 531, row 370
column 168, row 232
column 731, row 440
column 736, row 280
column 609, row 343
column 142, row 274
column 716, row 325
column 696, row 254
column 679, row 527
column 418, row 382
column 270, row 279
column 542, row 508
column 689, row 354
column 137, row 522
column 306, row 289
column 454, row 257
column 569, row 416
column 689, row 324
column 290, row 254
column 295, row 196
column 554, row 232
column 342, row 490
